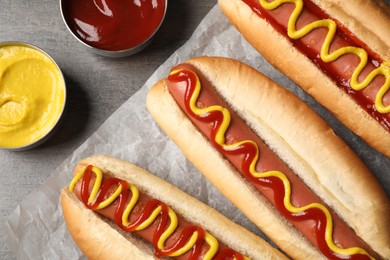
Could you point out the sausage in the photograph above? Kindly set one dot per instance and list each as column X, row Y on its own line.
column 346, row 71
column 341, row 69
column 115, row 209
column 250, row 138
column 142, row 210
column 238, row 131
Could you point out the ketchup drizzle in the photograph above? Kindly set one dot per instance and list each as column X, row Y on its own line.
column 162, row 220
column 187, row 79
column 373, row 59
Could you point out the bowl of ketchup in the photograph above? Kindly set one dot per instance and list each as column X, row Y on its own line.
column 113, row 28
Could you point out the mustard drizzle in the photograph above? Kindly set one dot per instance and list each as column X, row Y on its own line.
column 173, row 223
column 293, row 33
column 220, row 140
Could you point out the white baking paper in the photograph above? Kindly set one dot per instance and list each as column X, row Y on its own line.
column 36, row 229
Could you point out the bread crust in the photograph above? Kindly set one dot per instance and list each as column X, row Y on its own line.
column 352, row 192
column 284, row 57
column 87, row 228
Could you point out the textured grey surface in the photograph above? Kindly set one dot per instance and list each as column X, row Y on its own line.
column 97, row 86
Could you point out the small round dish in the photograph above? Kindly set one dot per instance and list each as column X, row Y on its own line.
column 32, row 96
column 113, row 28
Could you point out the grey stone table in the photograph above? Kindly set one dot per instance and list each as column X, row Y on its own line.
column 97, row 86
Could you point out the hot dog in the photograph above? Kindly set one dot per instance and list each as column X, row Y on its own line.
column 274, row 158
column 341, row 46
column 116, row 210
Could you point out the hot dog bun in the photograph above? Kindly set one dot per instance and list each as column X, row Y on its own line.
column 298, row 136
column 102, row 239
column 367, row 20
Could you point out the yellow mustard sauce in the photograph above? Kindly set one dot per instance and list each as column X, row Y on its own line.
column 32, row 95
column 383, row 69
column 173, row 219
column 220, row 140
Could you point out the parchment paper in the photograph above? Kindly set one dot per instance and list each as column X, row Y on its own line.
column 36, row 230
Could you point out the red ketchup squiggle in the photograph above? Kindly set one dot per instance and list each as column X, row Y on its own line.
column 367, row 84
column 113, row 191
column 216, row 117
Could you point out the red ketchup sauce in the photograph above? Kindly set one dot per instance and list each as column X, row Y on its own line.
column 146, row 205
column 311, row 222
column 335, row 70
column 114, row 24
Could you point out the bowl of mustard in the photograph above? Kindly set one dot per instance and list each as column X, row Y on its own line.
column 32, row 96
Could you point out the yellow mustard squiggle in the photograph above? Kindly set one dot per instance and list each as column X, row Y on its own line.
column 220, row 140
column 293, row 33
column 173, row 223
